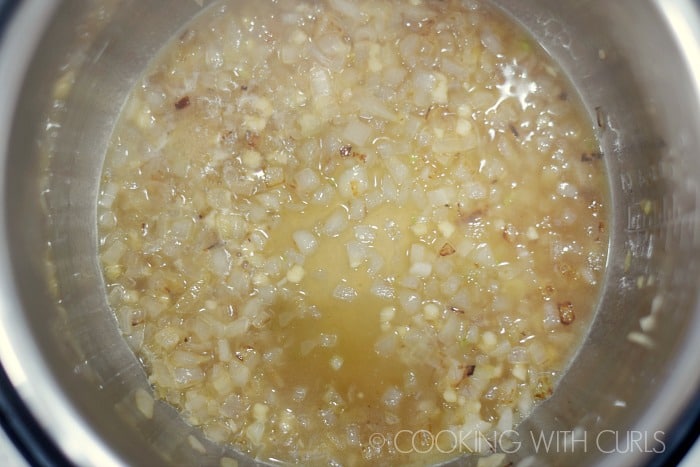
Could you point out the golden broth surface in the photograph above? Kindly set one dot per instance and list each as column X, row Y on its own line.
column 324, row 224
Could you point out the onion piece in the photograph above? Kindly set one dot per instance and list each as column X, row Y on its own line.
column 345, row 293
column 353, row 182
column 346, row 8
column 382, row 290
column 307, row 180
column 357, row 132
column 357, row 254
column 305, row 241
column 335, row 224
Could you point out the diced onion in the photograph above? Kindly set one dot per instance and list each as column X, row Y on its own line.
column 144, row 402
column 186, row 377
column 240, row 374
column 335, row 224
column 382, row 290
column 305, row 241
column 345, row 293
column 392, row 397
column 387, row 153
column 347, row 8
column 353, row 182
column 357, row 253
column 307, row 180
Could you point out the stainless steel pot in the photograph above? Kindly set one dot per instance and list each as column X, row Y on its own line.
column 65, row 70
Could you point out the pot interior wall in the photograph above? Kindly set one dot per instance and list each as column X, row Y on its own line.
column 646, row 120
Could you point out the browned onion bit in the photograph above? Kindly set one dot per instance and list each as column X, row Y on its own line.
column 566, row 313
column 182, row 103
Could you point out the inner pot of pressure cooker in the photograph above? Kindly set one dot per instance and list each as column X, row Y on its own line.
column 359, row 233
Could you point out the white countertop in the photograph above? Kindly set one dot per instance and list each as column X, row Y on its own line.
column 692, row 459
column 9, row 456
